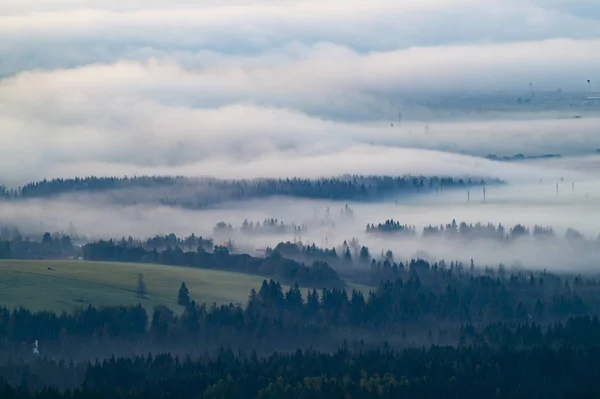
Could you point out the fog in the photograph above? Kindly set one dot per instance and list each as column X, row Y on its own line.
column 528, row 202
column 351, row 159
column 59, row 132
column 110, row 30
column 254, row 87
column 257, row 88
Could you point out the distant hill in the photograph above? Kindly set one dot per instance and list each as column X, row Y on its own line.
column 196, row 193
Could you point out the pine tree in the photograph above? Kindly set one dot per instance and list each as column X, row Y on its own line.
column 183, row 298
column 347, row 255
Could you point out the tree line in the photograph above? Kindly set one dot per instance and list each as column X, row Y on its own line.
column 50, row 246
column 307, row 264
column 272, row 226
column 317, row 274
column 201, row 192
column 472, row 231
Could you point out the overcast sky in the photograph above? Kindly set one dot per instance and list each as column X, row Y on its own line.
column 257, row 87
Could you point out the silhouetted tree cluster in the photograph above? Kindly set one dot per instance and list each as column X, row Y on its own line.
column 223, row 228
column 198, row 193
column 298, row 250
column 189, row 243
column 46, row 188
column 391, row 226
column 489, row 231
column 50, row 246
column 477, row 231
column 272, row 226
column 22, row 325
column 318, row 273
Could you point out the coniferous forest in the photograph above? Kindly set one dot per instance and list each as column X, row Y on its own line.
column 425, row 330
column 201, row 193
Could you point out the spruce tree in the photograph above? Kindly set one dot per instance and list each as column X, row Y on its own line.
column 183, row 298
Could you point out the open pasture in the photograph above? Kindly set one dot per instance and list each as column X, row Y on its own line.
column 64, row 285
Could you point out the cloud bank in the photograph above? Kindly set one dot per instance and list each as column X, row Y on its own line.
column 264, row 88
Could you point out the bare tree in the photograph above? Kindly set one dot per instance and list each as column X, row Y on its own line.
column 141, row 286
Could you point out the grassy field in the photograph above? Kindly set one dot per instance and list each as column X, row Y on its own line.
column 78, row 283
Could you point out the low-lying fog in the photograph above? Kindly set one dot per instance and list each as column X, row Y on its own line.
column 548, row 202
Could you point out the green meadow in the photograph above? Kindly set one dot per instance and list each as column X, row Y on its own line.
column 66, row 284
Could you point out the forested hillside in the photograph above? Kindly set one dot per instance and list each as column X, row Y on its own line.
column 197, row 193
column 513, row 335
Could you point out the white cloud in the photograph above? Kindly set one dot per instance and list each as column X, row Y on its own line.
column 157, row 116
column 40, row 34
column 264, row 87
